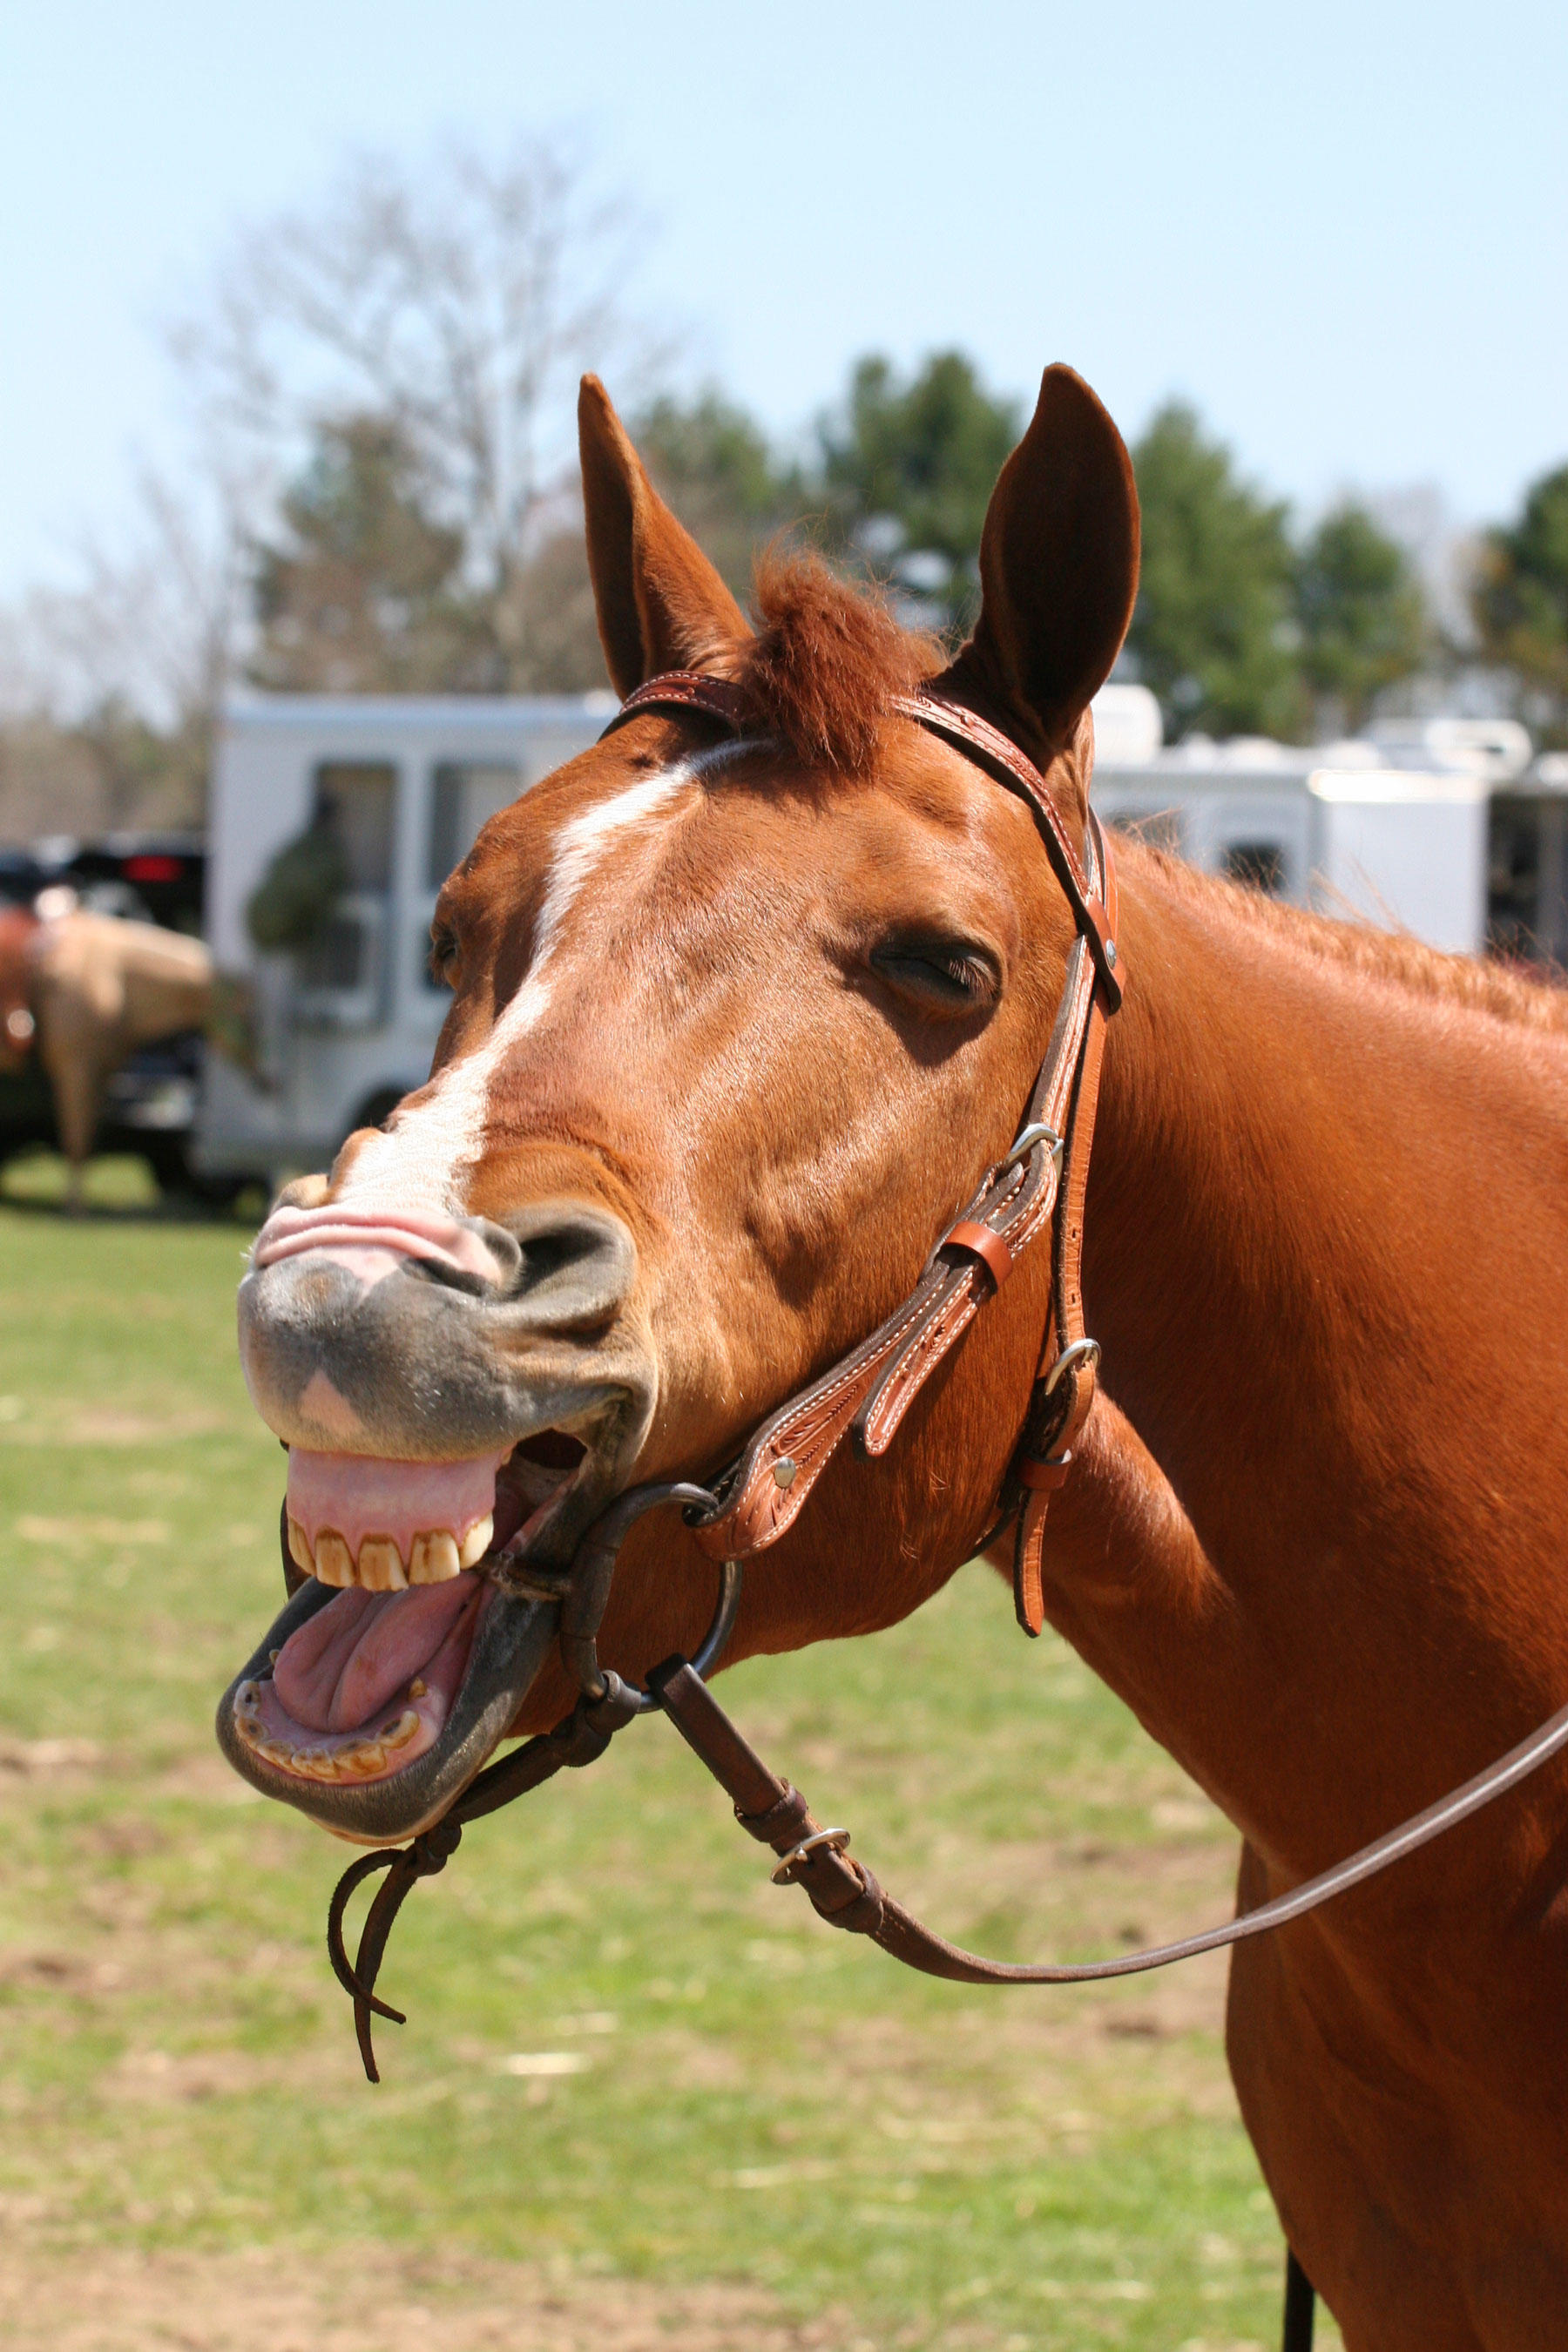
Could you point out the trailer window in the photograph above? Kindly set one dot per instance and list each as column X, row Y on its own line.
column 338, row 957
column 354, row 802
column 1527, row 880
column 1260, row 864
column 464, row 794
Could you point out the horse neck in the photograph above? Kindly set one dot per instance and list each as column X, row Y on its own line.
column 1320, row 1210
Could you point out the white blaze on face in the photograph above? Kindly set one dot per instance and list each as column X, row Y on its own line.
column 421, row 1161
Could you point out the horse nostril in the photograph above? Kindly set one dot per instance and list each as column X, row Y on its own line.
column 577, row 1264
column 499, row 1278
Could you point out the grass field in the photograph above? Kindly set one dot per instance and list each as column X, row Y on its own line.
column 756, row 2134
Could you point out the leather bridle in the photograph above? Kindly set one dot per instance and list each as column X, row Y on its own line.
column 869, row 1391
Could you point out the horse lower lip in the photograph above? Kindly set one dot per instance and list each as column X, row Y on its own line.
column 343, row 1767
column 513, row 1634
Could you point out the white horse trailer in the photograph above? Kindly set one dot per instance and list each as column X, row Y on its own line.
column 306, row 1048
column 1338, row 828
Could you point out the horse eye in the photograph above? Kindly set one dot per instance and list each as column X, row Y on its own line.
column 940, row 974
column 443, row 954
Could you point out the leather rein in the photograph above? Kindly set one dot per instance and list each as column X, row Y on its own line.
column 1039, row 1184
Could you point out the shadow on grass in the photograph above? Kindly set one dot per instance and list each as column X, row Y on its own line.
column 119, row 1188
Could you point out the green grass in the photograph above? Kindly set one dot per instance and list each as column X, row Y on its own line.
column 759, row 2099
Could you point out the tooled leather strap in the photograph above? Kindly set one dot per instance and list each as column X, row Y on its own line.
column 872, row 1388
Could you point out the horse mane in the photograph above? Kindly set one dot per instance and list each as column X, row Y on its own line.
column 1392, row 958
column 827, row 662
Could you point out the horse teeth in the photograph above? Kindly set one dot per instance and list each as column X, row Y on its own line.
column 434, row 1559
column 418, row 1686
column 334, row 1565
column 477, row 1542
column 380, row 1566
column 362, row 1761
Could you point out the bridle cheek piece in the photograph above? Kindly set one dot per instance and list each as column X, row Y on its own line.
column 1038, row 1184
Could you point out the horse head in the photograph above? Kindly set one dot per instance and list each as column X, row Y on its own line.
column 739, row 1017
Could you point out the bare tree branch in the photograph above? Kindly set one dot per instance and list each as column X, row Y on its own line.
column 460, row 304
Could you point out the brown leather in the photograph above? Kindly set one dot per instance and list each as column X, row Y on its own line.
column 1004, row 759
column 846, row 1894
column 988, row 1246
column 1063, row 1388
column 684, row 689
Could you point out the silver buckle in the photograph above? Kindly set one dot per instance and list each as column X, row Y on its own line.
column 1024, row 1142
column 1082, row 1351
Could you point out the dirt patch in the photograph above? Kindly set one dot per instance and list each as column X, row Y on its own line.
column 94, row 1425
column 36, row 1759
column 278, row 2300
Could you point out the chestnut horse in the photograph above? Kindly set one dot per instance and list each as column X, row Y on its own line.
column 736, row 1027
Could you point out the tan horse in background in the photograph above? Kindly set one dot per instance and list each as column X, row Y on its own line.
column 737, row 1027
column 86, row 991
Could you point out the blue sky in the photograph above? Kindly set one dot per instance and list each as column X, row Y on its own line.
column 1341, row 229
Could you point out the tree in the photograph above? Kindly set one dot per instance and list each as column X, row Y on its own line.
column 1361, row 613
column 1521, row 597
column 362, row 593
column 907, row 470
column 1213, row 634
column 109, row 689
column 458, row 306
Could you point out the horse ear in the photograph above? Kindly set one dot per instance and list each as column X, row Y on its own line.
column 1059, row 565
column 659, row 601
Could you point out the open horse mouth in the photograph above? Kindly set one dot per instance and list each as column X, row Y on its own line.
column 400, row 1659
column 422, row 1590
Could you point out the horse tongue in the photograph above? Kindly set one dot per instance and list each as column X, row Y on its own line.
column 347, row 1661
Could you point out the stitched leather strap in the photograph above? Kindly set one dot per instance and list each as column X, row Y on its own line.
column 684, row 689
column 1002, row 758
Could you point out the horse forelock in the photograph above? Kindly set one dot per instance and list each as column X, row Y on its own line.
column 827, row 663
